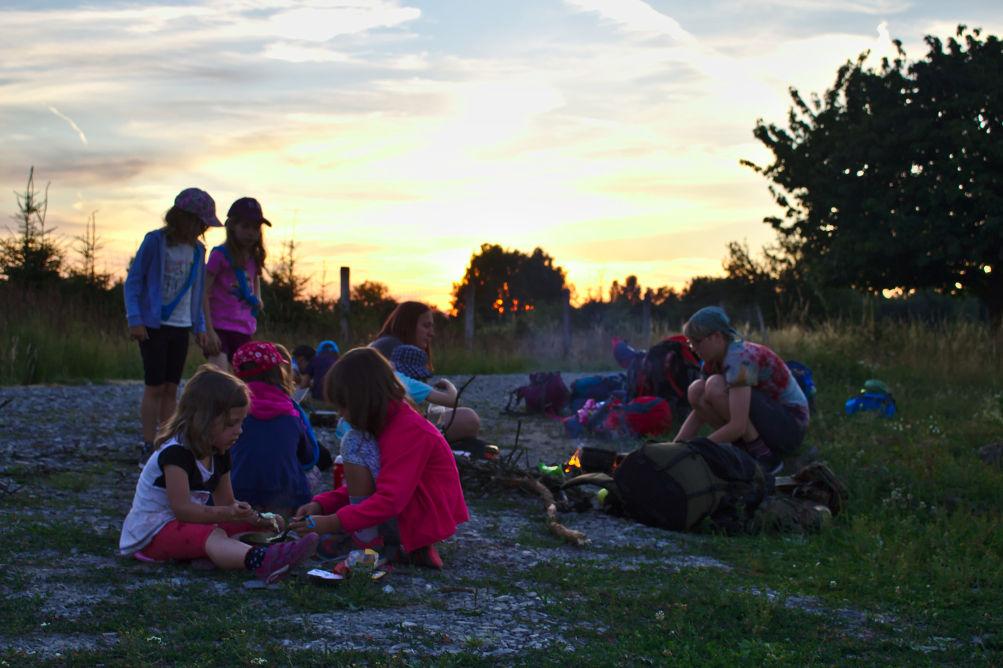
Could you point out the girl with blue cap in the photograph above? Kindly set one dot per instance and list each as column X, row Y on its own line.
column 746, row 393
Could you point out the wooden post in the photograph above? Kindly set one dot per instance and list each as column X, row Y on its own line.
column 343, row 303
column 646, row 318
column 468, row 316
column 566, row 321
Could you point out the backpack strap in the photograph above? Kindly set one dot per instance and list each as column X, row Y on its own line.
column 310, row 435
column 243, row 290
column 167, row 309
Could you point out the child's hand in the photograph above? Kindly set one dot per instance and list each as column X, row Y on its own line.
column 138, row 333
column 212, row 345
column 316, row 524
column 242, row 511
column 312, row 508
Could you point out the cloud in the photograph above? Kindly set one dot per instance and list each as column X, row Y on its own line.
column 635, row 16
column 871, row 7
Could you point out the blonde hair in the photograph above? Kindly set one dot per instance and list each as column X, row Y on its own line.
column 209, row 395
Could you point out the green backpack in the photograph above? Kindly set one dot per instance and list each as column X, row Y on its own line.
column 676, row 485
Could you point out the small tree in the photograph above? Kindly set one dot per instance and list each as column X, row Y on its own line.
column 30, row 256
column 87, row 245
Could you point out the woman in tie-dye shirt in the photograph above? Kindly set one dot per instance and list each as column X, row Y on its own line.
column 746, row 394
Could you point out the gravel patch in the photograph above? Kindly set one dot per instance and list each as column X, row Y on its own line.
column 95, row 428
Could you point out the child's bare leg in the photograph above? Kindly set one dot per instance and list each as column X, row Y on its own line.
column 168, row 401
column 149, row 411
column 227, row 553
column 219, row 361
column 466, row 424
column 716, row 396
column 360, row 484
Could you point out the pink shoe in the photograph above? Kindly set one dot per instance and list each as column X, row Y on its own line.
column 282, row 557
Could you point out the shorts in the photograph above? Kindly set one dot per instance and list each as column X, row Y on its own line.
column 164, row 354
column 777, row 426
column 184, row 541
column 230, row 340
column 359, row 448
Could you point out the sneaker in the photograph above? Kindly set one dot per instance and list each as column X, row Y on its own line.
column 770, row 463
column 426, row 556
column 282, row 557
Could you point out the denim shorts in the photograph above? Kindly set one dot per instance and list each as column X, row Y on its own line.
column 360, row 448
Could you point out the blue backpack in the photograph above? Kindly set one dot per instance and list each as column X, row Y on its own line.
column 806, row 381
column 599, row 387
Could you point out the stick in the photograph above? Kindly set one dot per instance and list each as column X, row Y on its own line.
column 576, row 538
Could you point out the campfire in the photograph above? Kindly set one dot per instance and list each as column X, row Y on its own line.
column 592, row 460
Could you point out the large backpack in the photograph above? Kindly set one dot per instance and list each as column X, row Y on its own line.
column 599, row 387
column 676, row 485
column 665, row 370
column 545, row 393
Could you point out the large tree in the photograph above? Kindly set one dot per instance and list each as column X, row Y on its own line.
column 508, row 282
column 894, row 177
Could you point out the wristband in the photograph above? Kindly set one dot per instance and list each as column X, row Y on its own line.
column 311, row 523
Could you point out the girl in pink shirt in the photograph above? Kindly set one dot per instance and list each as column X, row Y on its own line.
column 233, row 283
column 418, row 482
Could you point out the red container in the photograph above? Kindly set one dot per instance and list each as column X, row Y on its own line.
column 338, row 471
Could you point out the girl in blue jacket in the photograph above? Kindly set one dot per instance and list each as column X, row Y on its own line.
column 163, row 303
column 277, row 446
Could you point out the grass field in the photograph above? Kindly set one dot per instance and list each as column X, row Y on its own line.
column 910, row 574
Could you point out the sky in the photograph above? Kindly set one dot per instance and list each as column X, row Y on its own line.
column 396, row 137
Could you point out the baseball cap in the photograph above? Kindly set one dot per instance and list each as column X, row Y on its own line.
column 247, row 208
column 199, row 203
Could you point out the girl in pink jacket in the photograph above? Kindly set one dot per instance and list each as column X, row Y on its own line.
column 417, row 480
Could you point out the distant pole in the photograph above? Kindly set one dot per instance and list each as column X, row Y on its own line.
column 566, row 321
column 646, row 318
column 468, row 316
column 343, row 303
column 762, row 324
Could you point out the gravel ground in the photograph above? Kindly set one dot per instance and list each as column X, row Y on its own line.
column 62, row 428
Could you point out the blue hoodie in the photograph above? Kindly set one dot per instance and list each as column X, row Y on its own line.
column 143, row 283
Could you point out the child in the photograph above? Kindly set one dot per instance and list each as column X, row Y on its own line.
column 163, row 303
column 397, row 465
column 412, row 362
column 747, row 394
column 276, row 447
column 233, row 282
column 411, row 323
column 312, row 376
column 170, row 516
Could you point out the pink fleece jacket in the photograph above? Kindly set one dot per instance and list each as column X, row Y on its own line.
column 418, row 484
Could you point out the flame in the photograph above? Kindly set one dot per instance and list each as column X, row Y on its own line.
column 575, row 462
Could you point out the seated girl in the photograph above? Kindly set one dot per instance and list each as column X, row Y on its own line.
column 457, row 423
column 171, row 518
column 746, row 394
column 397, row 465
column 277, row 446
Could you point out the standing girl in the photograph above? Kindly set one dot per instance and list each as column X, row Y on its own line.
column 233, row 282
column 163, row 303
column 396, row 465
column 277, row 446
column 170, row 518
column 747, row 395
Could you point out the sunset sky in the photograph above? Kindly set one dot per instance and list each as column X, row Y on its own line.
column 395, row 137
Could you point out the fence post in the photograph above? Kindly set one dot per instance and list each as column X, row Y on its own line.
column 646, row 318
column 343, row 303
column 566, row 321
column 468, row 316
